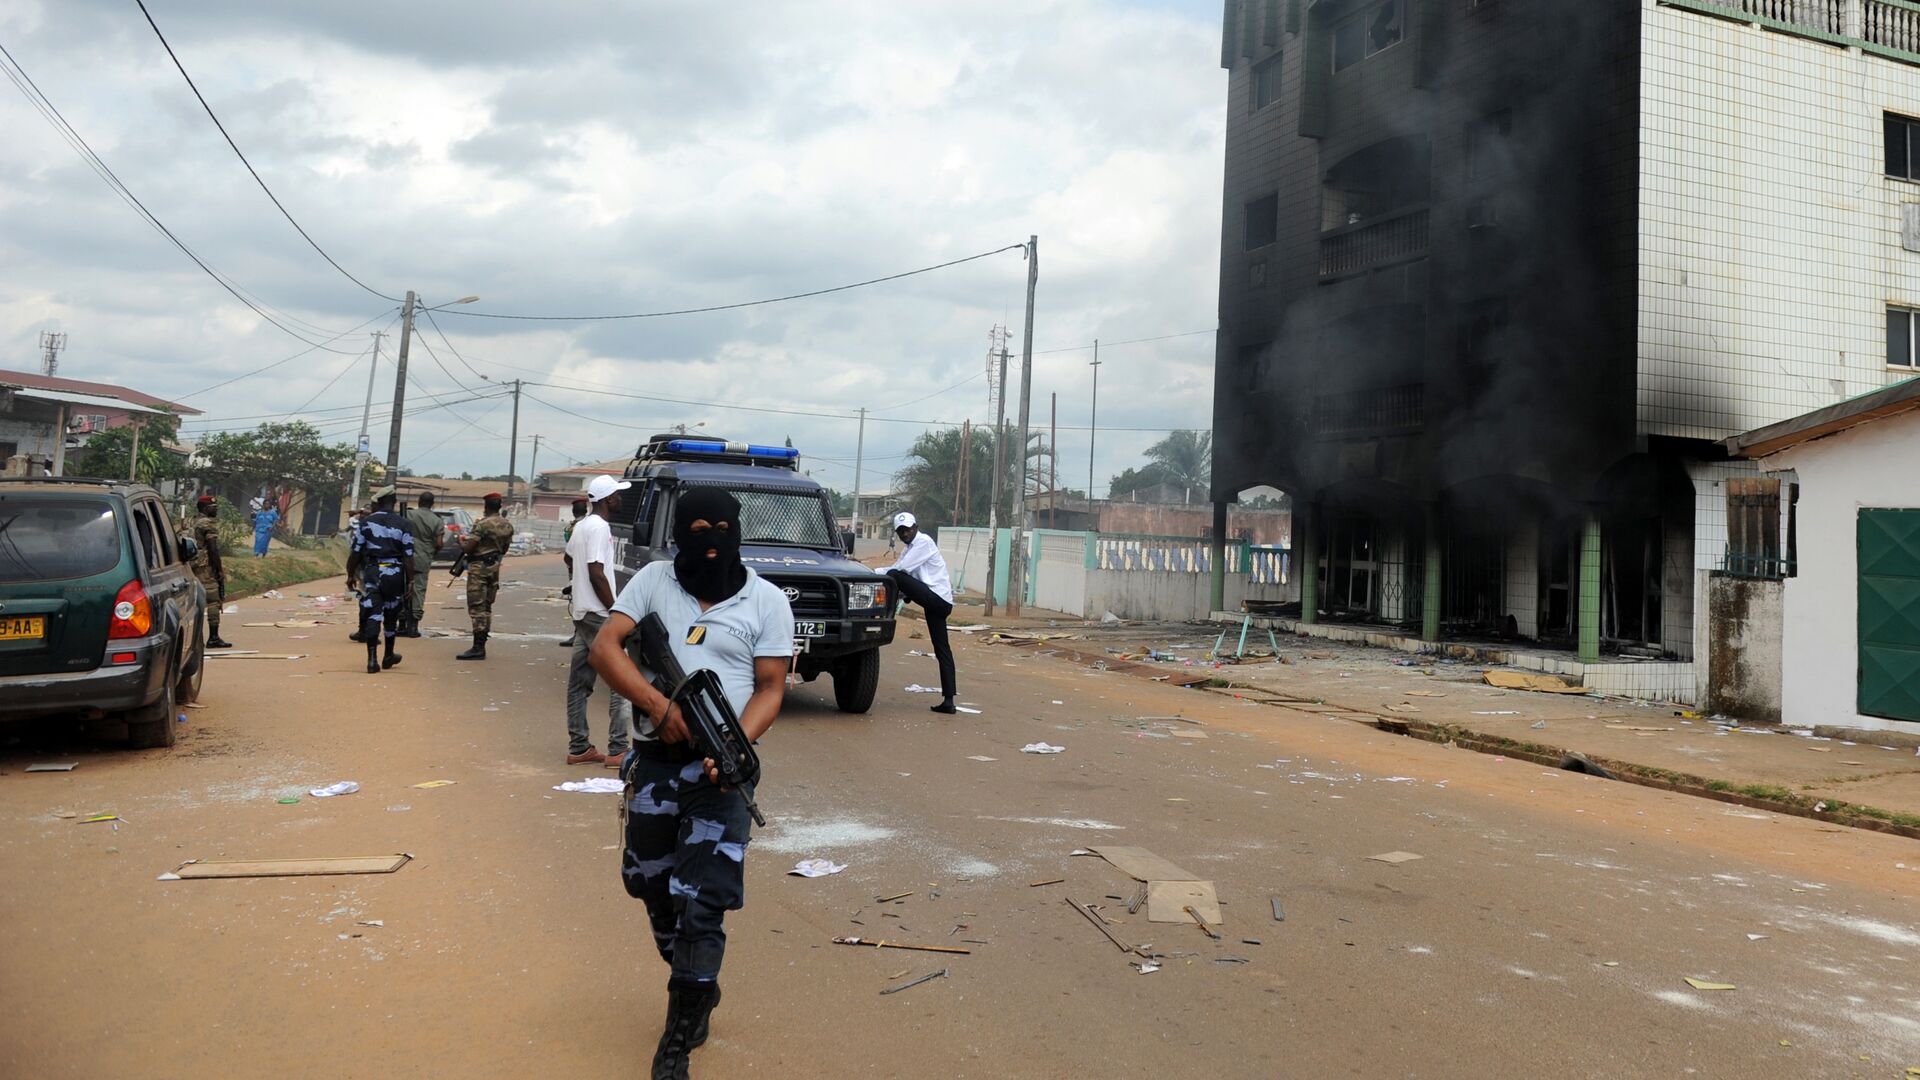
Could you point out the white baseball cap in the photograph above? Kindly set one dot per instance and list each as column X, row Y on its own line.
column 904, row 520
column 602, row 486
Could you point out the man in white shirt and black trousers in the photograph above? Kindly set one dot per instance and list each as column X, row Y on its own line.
column 920, row 575
column 686, row 836
column 590, row 563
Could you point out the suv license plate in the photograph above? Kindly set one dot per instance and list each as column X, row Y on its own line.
column 23, row 628
column 809, row 629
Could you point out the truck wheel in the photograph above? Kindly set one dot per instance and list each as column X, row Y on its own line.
column 855, row 679
column 187, row 690
column 152, row 727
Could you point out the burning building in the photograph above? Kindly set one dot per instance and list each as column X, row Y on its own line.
column 1498, row 276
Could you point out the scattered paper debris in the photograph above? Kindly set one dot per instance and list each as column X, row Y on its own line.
column 1756, row 937
column 1609, row 963
column 1496, row 712
column 344, row 787
column 1539, row 725
column 1396, row 857
column 916, row 688
column 168, row 877
column 371, row 922
column 67, row 766
column 980, row 757
column 964, row 709
column 1042, row 748
column 1145, row 967
column 599, row 785
column 1702, row 984
column 812, row 868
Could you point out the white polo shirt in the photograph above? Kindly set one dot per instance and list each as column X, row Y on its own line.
column 592, row 542
column 726, row 638
column 923, row 560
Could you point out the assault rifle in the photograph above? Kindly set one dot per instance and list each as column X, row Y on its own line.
column 704, row 705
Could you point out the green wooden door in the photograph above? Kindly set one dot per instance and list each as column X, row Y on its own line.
column 1889, row 551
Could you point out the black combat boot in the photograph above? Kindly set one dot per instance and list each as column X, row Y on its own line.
column 479, row 650
column 373, row 656
column 217, row 642
column 688, row 1006
column 706, row 1015
column 392, row 657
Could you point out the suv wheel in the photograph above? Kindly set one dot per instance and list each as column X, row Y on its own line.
column 187, row 690
column 855, row 679
column 152, row 727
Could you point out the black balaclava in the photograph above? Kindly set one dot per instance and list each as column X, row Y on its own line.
column 715, row 579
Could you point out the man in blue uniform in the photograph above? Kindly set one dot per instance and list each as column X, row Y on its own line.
column 380, row 560
column 686, row 836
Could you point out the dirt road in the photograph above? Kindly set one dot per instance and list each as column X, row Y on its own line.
column 1547, row 929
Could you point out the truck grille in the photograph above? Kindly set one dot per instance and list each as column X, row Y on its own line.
column 816, row 596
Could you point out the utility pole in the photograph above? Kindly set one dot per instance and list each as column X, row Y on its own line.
column 133, row 455
column 966, row 471
column 513, row 445
column 363, row 451
column 399, row 390
column 50, row 344
column 532, row 464
column 859, row 452
column 999, row 337
column 1093, row 425
column 1016, row 558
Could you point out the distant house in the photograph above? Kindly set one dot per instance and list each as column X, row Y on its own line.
column 1815, row 613
column 555, row 490
column 45, row 417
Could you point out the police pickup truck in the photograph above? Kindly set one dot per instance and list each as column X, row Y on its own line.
column 842, row 613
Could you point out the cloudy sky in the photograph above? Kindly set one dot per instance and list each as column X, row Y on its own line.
column 582, row 157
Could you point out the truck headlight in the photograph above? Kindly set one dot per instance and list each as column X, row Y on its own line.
column 871, row 594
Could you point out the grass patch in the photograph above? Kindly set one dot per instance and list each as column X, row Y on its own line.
column 248, row 576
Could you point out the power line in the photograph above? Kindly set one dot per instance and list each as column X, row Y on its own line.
column 444, row 340
column 936, row 393
column 1129, row 341
column 744, row 303
column 243, row 158
column 285, row 360
column 42, row 104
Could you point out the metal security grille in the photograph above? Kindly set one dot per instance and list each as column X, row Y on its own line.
column 784, row 517
column 1889, row 601
column 807, row 595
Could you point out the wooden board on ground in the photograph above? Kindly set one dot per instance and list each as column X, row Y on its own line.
column 1167, row 901
column 1526, row 680
column 255, row 656
column 247, row 868
column 1143, row 865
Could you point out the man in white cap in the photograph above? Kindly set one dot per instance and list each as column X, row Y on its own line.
column 590, row 555
column 920, row 576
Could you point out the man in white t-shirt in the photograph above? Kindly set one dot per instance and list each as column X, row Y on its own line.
column 590, row 555
column 919, row 575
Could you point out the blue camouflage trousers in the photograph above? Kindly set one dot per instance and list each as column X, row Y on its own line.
column 383, row 597
column 684, row 852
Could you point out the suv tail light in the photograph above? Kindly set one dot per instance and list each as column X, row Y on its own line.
column 132, row 613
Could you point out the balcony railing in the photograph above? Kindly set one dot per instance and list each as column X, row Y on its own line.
column 1367, row 245
column 1370, row 412
column 1889, row 28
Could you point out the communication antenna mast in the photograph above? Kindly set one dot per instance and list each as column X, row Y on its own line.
column 51, row 343
column 996, row 368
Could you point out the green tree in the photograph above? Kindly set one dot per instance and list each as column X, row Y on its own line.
column 239, row 463
column 927, row 483
column 1131, row 480
column 1187, row 457
column 105, row 454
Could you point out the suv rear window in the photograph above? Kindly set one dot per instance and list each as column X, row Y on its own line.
column 52, row 537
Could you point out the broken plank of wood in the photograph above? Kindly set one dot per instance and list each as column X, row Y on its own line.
column 1098, row 924
column 1202, row 923
column 876, row 943
column 890, row 899
column 248, row 868
column 1523, row 680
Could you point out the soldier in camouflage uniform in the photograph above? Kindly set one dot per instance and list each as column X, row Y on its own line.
column 426, row 526
column 485, row 545
column 205, row 530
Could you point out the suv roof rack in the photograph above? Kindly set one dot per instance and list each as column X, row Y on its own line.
column 100, row 480
column 715, row 451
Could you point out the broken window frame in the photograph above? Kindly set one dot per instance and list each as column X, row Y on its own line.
column 1263, row 89
column 1342, row 44
column 1482, row 135
column 1901, row 326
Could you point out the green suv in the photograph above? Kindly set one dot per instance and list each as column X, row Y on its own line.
column 100, row 613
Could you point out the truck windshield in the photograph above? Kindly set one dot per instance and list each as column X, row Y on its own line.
column 797, row 518
column 45, row 539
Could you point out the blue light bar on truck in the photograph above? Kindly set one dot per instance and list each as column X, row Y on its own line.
column 710, row 446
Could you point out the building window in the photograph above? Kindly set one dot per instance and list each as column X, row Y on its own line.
column 1373, row 28
column 1263, row 221
column 1487, row 147
column 1901, row 350
column 1266, row 84
column 1903, row 146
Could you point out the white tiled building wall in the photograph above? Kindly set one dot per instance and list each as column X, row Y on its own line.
column 1523, row 576
column 1769, row 234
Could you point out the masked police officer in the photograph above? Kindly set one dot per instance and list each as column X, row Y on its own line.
column 686, row 837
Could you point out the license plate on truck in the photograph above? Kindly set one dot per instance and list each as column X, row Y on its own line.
column 25, row 628
column 809, row 629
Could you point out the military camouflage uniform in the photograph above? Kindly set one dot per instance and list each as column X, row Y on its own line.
column 491, row 534
column 206, row 535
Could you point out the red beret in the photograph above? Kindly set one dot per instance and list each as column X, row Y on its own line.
column 493, row 495
column 206, row 500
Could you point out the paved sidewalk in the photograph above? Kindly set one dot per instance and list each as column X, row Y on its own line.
column 1777, row 767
